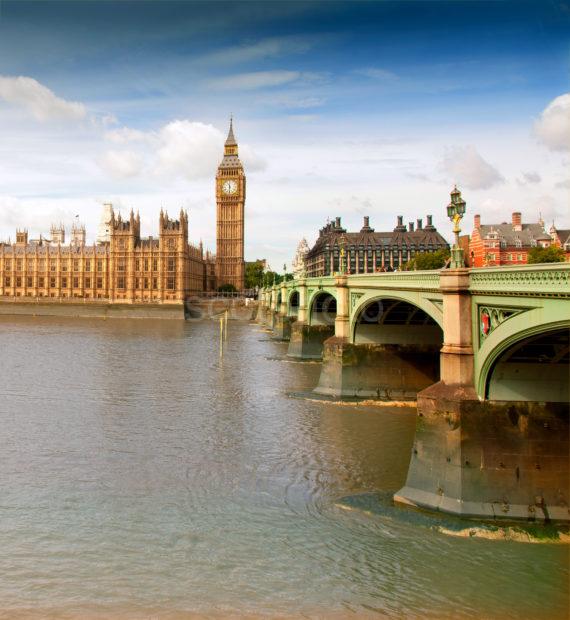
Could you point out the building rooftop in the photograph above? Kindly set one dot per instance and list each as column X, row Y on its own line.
column 415, row 235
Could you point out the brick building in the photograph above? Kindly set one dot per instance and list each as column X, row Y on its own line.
column 505, row 243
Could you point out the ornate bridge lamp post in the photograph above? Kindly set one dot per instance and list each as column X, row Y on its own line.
column 455, row 212
column 342, row 256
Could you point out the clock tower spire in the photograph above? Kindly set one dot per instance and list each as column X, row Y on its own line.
column 230, row 201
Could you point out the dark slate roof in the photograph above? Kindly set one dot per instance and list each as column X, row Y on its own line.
column 505, row 232
column 230, row 161
column 427, row 238
column 563, row 235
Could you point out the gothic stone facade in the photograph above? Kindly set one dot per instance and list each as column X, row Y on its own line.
column 126, row 269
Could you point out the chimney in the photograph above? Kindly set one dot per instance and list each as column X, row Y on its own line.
column 337, row 222
column 477, row 221
column 366, row 225
column 517, row 220
column 419, row 223
column 410, row 227
column 400, row 220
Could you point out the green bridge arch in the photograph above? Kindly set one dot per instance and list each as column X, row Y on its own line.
column 547, row 317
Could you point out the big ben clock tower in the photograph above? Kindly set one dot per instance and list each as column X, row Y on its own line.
column 230, row 199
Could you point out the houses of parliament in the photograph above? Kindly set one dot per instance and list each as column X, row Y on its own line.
column 122, row 266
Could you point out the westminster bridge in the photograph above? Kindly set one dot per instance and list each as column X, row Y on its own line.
column 484, row 352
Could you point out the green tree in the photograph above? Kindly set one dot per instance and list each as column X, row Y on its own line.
column 552, row 254
column 272, row 277
column 227, row 288
column 254, row 274
column 428, row 260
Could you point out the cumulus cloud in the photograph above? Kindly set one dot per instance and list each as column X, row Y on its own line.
column 122, row 164
column 553, row 126
column 189, row 149
column 181, row 148
column 465, row 166
column 124, row 135
column 39, row 100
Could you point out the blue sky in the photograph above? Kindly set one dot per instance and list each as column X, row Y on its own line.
column 341, row 108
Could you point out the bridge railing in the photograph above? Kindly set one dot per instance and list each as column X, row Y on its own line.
column 534, row 280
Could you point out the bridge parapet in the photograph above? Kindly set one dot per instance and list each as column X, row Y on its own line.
column 551, row 280
column 413, row 280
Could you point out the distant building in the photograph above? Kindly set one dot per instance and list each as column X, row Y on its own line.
column 505, row 243
column 368, row 251
column 299, row 265
column 104, row 230
column 127, row 269
column 561, row 238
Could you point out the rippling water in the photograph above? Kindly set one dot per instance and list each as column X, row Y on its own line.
column 142, row 476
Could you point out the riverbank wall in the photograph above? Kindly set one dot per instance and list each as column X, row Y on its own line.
column 93, row 309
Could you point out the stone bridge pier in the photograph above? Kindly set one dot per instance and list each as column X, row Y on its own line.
column 262, row 308
column 390, row 351
column 283, row 320
column 315, row 323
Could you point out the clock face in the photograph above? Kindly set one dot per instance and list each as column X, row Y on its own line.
column 229, row 187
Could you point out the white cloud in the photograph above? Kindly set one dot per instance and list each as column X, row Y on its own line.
column 39, row 100
column 124, row 135
column 181, row 148
column 465, row 166
column 266, row 48
column 254, row 80
column 376, row 74
column 122, row 164
column 189, row 149
column 553, row 126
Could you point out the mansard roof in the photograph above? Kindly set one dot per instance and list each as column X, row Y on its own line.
column 334, row 236
column 508, row 234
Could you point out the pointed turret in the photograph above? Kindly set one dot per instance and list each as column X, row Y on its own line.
column 230, row 140
column 231, row 145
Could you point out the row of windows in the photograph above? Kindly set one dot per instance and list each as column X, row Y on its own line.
column 76, row 264
column 510, row 257
column 18, row 282
column 518, row 244
column 144, row 283
column 170, row 243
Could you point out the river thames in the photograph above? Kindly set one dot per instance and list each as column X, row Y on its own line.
column 143, row 476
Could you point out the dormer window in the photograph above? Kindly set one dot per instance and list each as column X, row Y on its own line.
column 503, row 243
column 518, row 243
column 533, row 243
